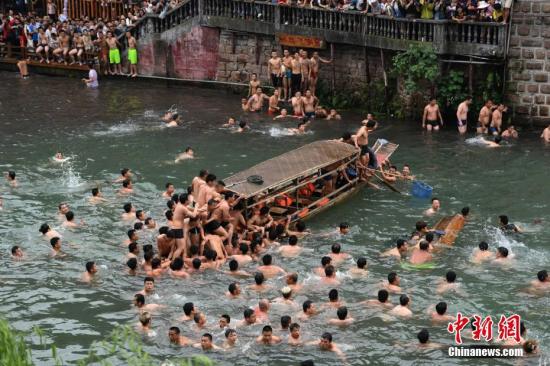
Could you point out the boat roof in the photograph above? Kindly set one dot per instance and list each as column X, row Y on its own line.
column 303, row 161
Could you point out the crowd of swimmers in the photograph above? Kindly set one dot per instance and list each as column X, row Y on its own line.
column 490, row 121
column 207, row 230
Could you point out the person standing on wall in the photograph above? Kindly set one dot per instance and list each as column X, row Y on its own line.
column 132, row 55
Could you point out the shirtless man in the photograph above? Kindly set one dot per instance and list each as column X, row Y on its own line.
column 179, row 226
column 314, row 71
column 484, row 117
column 215, row 243
column 393, row 284
column 206, row 343
column 243, row 258
column 542, row 283
column 342, row 317
column 176, row 338
column 381, row 300
column 361, row 141
column 308, row 310
column 207, row 191
column 56, row 248
column 333, row 115
column 17, row 253
column 169, row 191
column 186, row 155
column 148, row 286
column 336, row 254
column 132, row 55
column 245, row 106
column 325, row 344
column 294, row 338
column 297, row 105
column 495, row 143
column 449, row 284
column 501, row 256
column 510, row 132
column 284, row 114
column 431, row 115
column 114, row 54
column 253, row 85
column 197, row 183
column 305, row 67
column 402, row 310
column 269, row 269
column 64, row 43
column 274, row 69
column 545, row 135
column 361, row 269
column 482, row 253
column 296, row 77
column 330, row 276
column 256, row 101
column 89, row 275
column 287, row 77
column 48, row 232
column 462, row 115
column 300, row 130
column 262, row 310
column 273, row 107
column 434, row 208
column 125, row 173
column 267, row 337
column 309, row 102
column 290, row 250
column 496, row 120
column 97, row 196
column 422, row 254
column 439, row 315
column 249, row 318
column 12, row 180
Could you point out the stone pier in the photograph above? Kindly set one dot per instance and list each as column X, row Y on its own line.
column 528, row 87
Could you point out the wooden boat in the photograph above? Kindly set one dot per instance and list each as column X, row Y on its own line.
column 291, row 184
column 451, row 225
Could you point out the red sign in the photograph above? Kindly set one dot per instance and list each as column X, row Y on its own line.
column 300, row 41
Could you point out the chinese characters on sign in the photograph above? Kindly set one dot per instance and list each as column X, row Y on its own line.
column 300, row 41
column 508, row 327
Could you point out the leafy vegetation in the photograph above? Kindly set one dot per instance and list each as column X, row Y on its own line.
column 122, row 346
column 418, row 66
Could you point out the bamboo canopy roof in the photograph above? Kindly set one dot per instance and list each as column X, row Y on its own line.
column 305, row 160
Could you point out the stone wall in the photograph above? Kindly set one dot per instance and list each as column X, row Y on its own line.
column 201, row 53
column 186, row 52
column 529, row 61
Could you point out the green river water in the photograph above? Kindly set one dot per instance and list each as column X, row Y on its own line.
column 118, row 126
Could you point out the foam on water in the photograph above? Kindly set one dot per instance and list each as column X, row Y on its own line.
column 119, row 129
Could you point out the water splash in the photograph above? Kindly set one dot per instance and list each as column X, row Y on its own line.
column 119, row 129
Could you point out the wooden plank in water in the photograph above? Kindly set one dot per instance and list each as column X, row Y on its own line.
column 452, row 225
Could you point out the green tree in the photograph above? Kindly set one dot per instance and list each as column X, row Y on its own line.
column 417, row 66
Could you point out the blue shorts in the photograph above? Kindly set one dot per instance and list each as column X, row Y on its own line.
column 288, row 73
column 492, row 130
column 310, row 114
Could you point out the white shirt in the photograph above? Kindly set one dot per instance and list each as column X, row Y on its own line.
column 92, row 75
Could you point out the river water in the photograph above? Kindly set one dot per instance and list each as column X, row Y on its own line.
column 118, row 126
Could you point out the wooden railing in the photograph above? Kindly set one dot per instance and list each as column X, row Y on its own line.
column 468, row 38
column 105, row 9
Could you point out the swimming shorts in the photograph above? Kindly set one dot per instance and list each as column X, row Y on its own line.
column 276, row 80
column 178, row 233
column 462, row 122
column 313, row 75
column 194, row 231
column 212, row 226
column 373, row 161
column 492, row 130
column 310, row 114
column 132, row 56
column 224, row 224
column 271, row 111
column 114, row 56
column 288, row 73
column 432, row 122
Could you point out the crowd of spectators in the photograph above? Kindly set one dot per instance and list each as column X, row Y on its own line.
column 51, row 37
column 457, row 10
